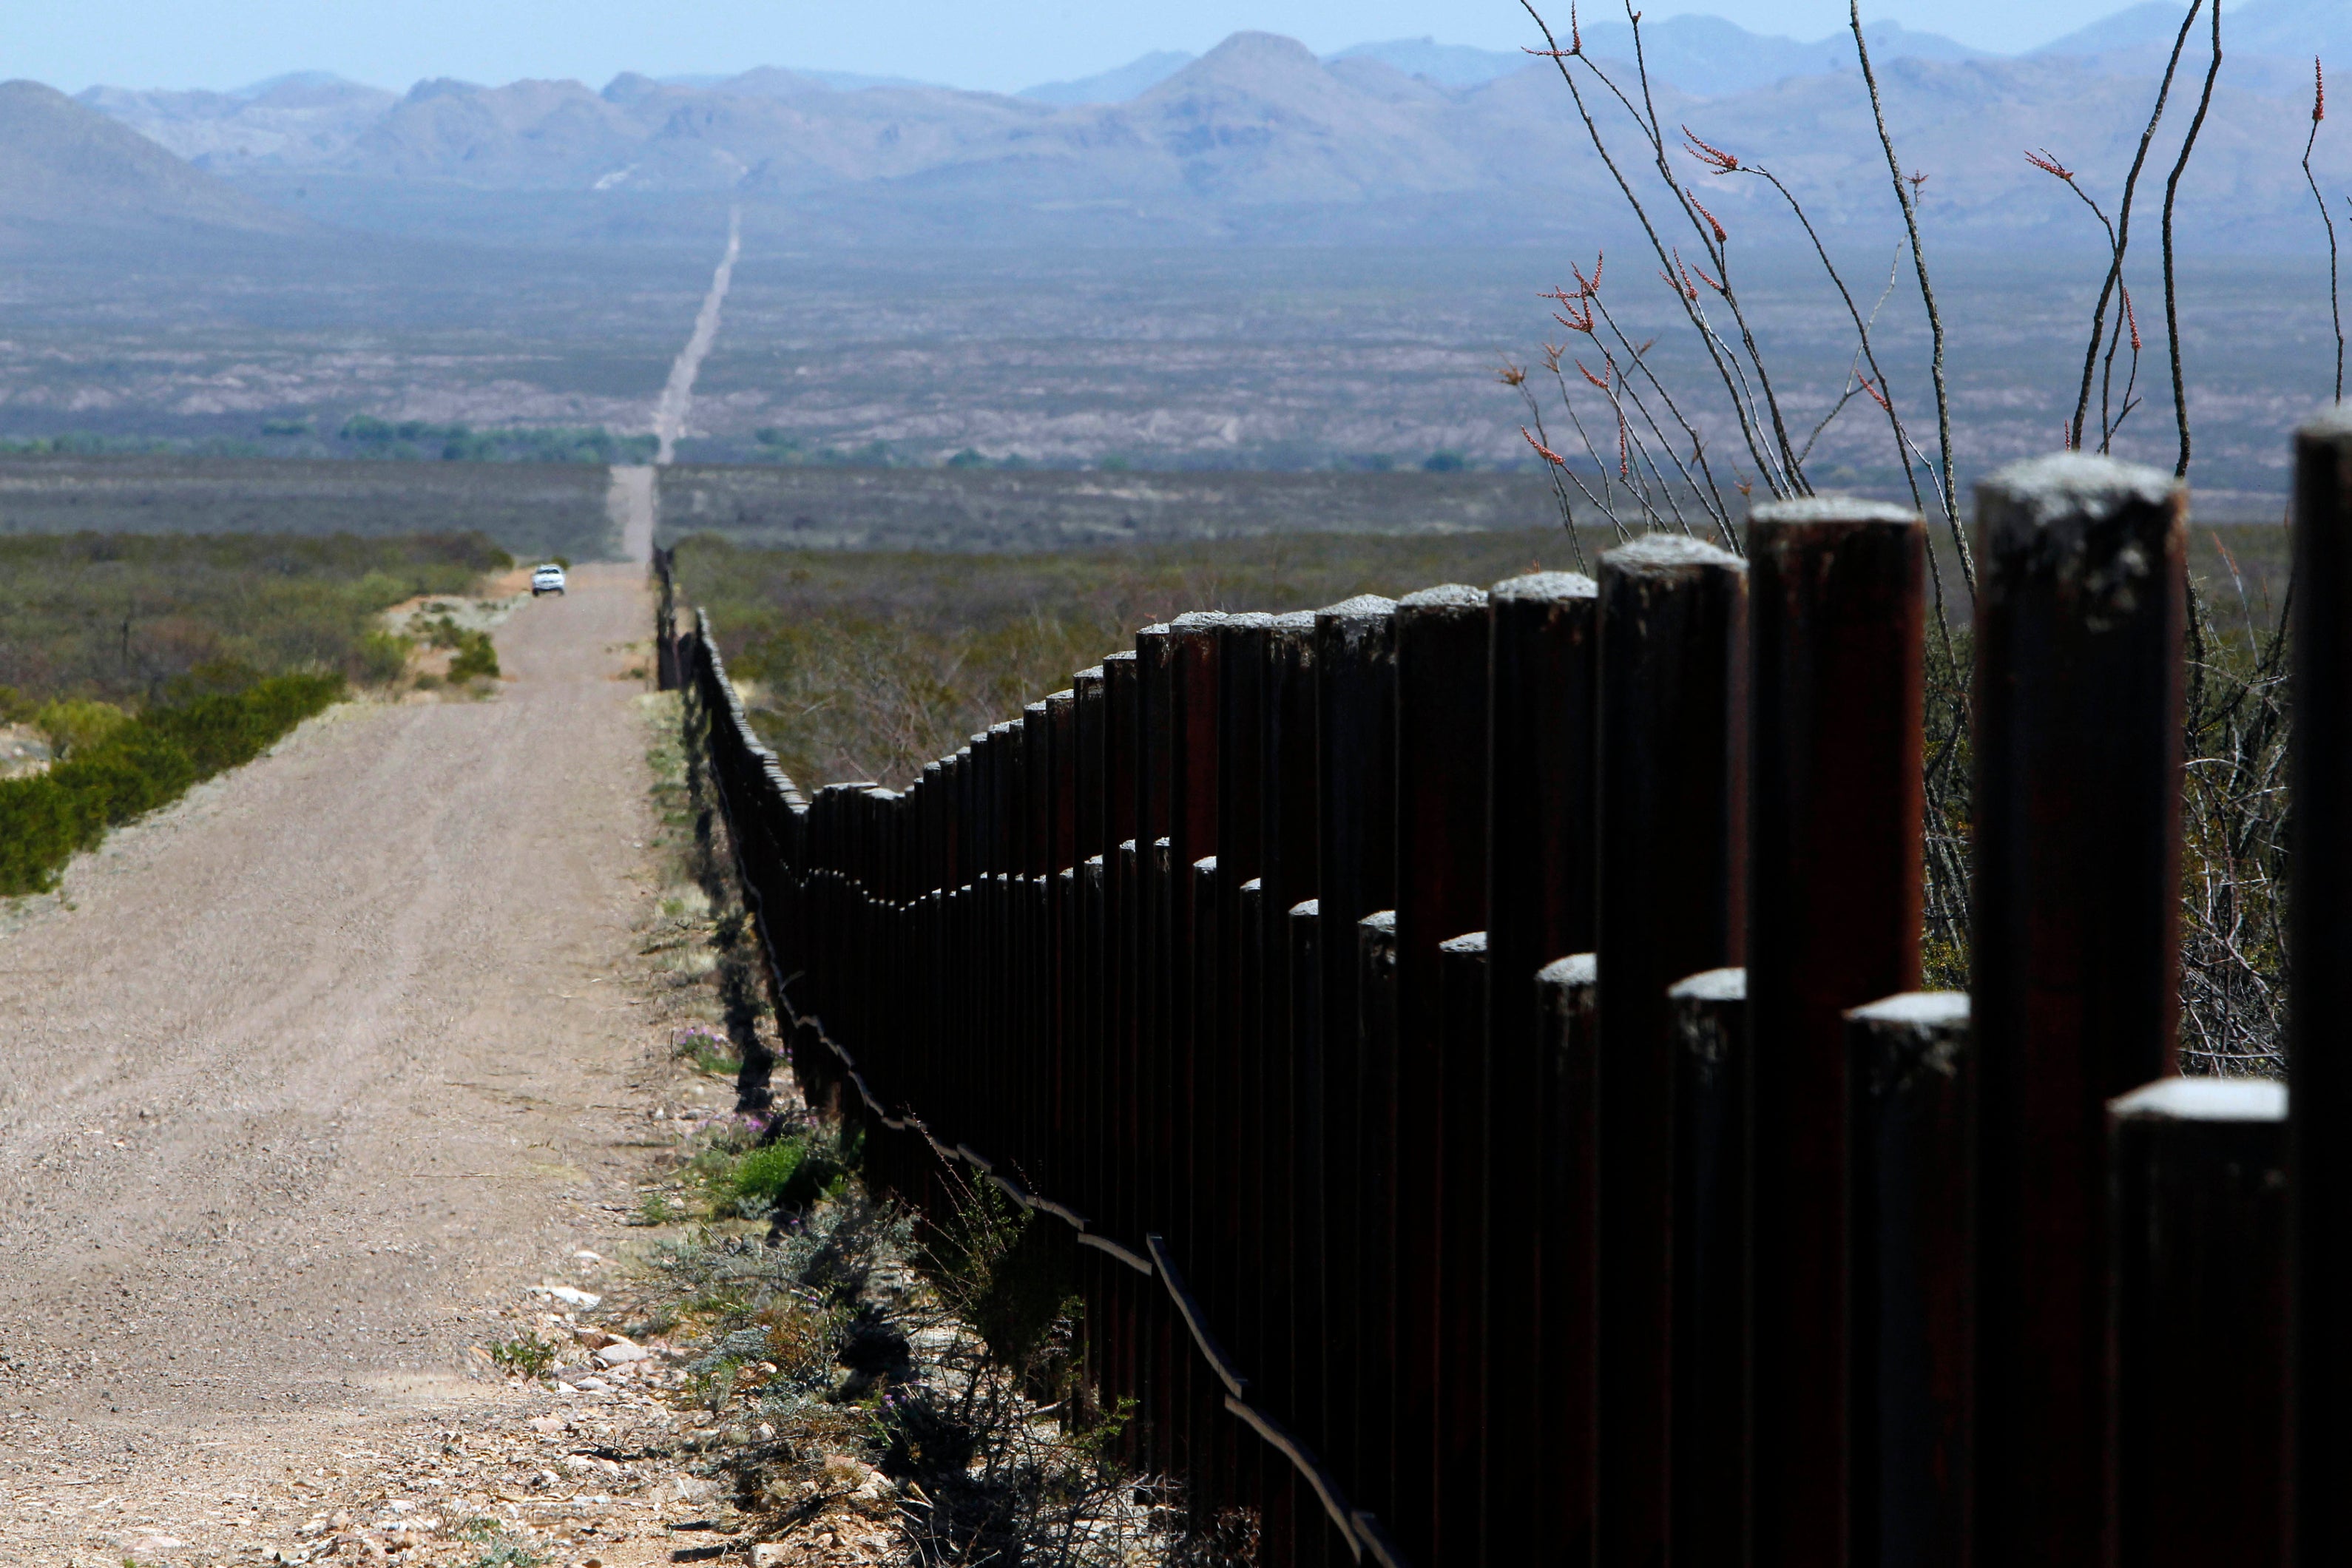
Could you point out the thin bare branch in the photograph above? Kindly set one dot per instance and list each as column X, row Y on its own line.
column 2172, row 194
column 1905, row 196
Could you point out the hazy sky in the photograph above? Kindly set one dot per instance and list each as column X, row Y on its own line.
column 998, row 44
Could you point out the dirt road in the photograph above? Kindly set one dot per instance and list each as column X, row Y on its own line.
column 303, row 1071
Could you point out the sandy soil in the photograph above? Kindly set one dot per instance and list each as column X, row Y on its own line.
column 303, row 1080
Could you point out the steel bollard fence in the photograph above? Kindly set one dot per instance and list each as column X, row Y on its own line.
column 1672, row 748
column 1540, row 906
column 2199, row 1283
column 1457, row 1255
column 1837, row 613
column 1910, row 1093
column 1709, row 1018
column 1439, row 883
column 1355, row 704
column 1567, row 1246
column 2075, row 950
column 2320, row 916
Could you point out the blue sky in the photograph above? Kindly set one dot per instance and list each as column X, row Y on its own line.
column 997, row 43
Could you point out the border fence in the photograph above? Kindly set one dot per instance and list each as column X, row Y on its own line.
column 1470, row 1050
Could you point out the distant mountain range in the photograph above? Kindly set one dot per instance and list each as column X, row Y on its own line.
column 1258, row 140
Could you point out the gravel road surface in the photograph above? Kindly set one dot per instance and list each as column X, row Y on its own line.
column 300, row 1074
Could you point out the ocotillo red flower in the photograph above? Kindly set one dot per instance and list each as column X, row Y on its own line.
column 2318, row 93
column 1711, row 221
column 1716, row 158
column 1546, row 453
column 1578, row 323
column 2047, row 161
column 1511, row 374
column 2130, row 316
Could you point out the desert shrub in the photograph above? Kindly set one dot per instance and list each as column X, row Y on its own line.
column 1010, row 1278
column 381, row 658
column 74, row 725
column 139, row 764
column 525, row 1355
column 790, row 1173
column 477, row 659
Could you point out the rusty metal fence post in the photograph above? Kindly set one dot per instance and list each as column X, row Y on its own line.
column 1910, row 1094
column 1289, row 837
column 1672, row 847
column 1541, row 670
column 1566, row 1375
column 1355, row 705
column 1422, row 1305
column 2320, row 935
column 2198, row 1261
column 1837, row 612
column 2075, row 950
column 1456, row 1178
column 1303, row 964
column 1709, row 1017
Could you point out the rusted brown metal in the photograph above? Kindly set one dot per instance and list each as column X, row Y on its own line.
column 1564, row 1500
column 1355, row 705
column 1910, row 1088
column 1304, row 982
column 1837, row 613
column 1192, row 778
column 1673, row 798
column 1206, row 1152
column 1456, row 1259
column 1541, row 672
column 1709, row 1017
column 1376, row 1028
column 1439, row 883
column 2074, row 950
column 2320, row 931
column 1287, row 870
column 2200, row 1286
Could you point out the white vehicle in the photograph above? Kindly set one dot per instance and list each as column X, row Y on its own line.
column 547, row 579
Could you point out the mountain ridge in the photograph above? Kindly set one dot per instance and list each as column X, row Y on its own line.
column 68, row 169
column 1258, row 138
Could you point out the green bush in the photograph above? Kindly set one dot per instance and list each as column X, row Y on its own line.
column 74, row 726
column 790, row 1173
column 140, row 763
column 476, row 658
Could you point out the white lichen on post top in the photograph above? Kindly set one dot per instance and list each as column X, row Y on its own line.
column 1830, row 509
column 1663, row 554
column 1445, row 596
column 2204, row 1099
column 1544, row 587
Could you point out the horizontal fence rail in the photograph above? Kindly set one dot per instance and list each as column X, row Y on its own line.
column 1471, row 1050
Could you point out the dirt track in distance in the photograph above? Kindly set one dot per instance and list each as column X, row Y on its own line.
column 301, row 1072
